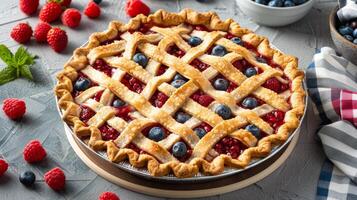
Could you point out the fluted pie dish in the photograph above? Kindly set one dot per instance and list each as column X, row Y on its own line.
column 181, row 93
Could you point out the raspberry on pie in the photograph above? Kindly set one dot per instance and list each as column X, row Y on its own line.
column 180, row 90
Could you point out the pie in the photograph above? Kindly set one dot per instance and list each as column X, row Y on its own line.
column 181, row 93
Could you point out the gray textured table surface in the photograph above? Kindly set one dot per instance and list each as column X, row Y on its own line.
column 296, row 179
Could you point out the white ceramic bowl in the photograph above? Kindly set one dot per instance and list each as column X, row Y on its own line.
column 274, row 16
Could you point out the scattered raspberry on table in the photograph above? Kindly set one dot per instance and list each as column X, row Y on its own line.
column 92, row 10
column 71, row 17
column 29, row 6
column 108, row 196
column 21, row 33
column 3, row 167
column 14, row 108
column 50, row 12
column 55, row 179
column 136, row 7
column 57, row 39
column 41, row 31
column 34, row 152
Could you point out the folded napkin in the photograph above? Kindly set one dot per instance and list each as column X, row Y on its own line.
column 348, row 11
column 332, row 86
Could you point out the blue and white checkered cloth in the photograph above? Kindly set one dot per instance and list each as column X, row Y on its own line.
column 332, row 85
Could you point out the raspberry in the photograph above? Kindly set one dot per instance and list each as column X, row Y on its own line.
column 3, row 167
column 14, row 108
column 41, row 31
column 205, row 100
column 34, row 152
column 273, row 84
column 50, row 12
column 136, row 7
column 92, row 10
column 55, row 179
column 21, row 33
column 57, row 39
column 63, row 3
column 108, row 133
column 71, row 17
column 108, row 196
column 29, row 6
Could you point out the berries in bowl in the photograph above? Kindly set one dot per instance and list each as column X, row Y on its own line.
column 275, row 12
column 344, row 36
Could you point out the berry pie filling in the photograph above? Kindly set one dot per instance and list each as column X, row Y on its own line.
column 102, row 66
column 202, row 98
column 135, row 148
column 181, row 151
column 275, row 119
column 81, row 84
column 86, row 113
column 132, row 83
column 199, row 64
column 106, row 42
column 230, row 146
column 162, row 69
column 155, row 132
column 158, row 99
column 175, row 51
column 250, row 102
column 108, row 132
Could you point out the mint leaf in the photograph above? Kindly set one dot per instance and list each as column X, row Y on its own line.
column 7, row 74
column 21, row 56
column 5, row 54
column 25, row 72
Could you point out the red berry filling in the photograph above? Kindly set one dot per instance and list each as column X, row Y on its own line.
column 162, row 69
column 98, row 95
column 231, row 87
column 158, row 99
column 205, row 126
column 174, row 50
column 86, row 113
column 199, row 65
column 243, row 65
column 202, row 98
column 123, row 112
column 132, row 83
column 102, row 66
column 108, row 132
column 230, row 146
column 229, row 36
column 275, row 118
column 275, row 85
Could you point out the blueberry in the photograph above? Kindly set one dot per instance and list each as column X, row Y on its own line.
column 237, row 40
column 182, row 117
column 221, row 84
column 345, row 30
column 178, row 83
column 223, row 111
column 179, row 149
column 140, row 59
column 299, row 2
column 355, row 41
column 275, row 3
column 97, row 1
column 219, row 50
column 348, row 37
column 251, row 71
column 194, row 41
column 156, row 133
column 261, row 60
column 118, row 103
column 264, row 2
column 254, row 130
column 200, row 132
column 179, row 77
column 355, row 33
column 289, row 3
column 27, row 178
column 250, row 102
column 82, row 84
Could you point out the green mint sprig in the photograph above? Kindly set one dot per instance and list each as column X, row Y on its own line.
column 18, row 65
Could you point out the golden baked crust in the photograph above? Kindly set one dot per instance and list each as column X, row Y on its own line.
column 160, row 162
